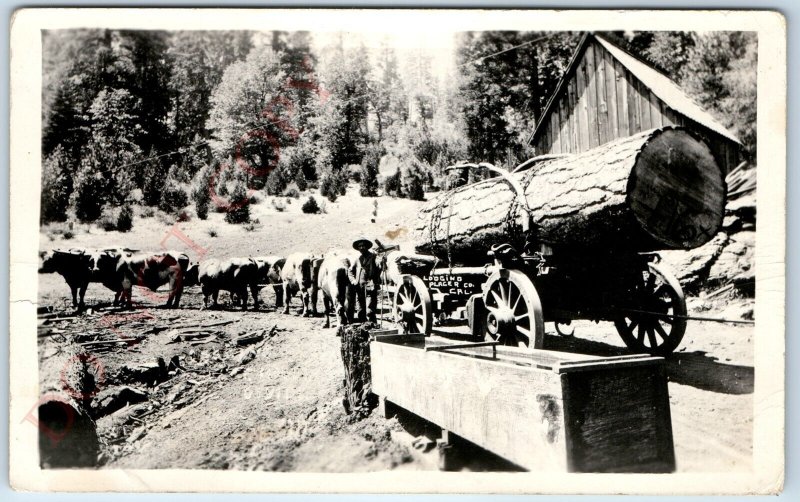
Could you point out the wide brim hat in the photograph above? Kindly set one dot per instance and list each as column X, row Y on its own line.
column 362, row 240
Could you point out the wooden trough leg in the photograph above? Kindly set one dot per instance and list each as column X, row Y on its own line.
column 385, row 408
column 447, row 456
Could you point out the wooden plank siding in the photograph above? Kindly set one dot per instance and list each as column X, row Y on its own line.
column 573, row 122
column 603, row 132
column 622, row 99
column 591, row 97
column 602, row 100
column 655, row 110
column 582, row 107
column 555, row 125
column 611, row 95
column 566, row 147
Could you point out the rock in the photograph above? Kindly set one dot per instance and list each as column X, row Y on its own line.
column 149, row 374
column 250, row 338
column 747, row 239
column 739, row 312
column 237, row 371
column 731, row 224
column 423, row 444
column 743, row 207
column 137, row 435
column 116, row 398
column 727, row 264
column 178, row 391
column 246, row 356
column 691, row 267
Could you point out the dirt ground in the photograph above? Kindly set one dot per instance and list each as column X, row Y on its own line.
column 274, row 401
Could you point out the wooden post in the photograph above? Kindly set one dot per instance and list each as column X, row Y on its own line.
column 447, row 457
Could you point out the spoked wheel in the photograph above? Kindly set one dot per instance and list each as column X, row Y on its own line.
column 651, row 325
column 514, row 311
column 412, row 306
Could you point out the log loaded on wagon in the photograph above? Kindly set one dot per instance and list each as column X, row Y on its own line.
column 570, row 237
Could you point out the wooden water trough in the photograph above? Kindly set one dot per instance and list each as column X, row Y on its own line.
column 539, row 409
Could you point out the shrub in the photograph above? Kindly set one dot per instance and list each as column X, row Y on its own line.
column 415, row 190
column 147, row 212
column 300, row 181
column 125, row 218
column 153, row 181
column 173, row 198
column 276, row 182
column 201, row 207
column 201, row 191
column 393, row 185
column 68, row 235
column 56, row 186
column 292, row 192
column 91, row 192
column 333, row 185
column 368, row 173
column 212, row 232
column 116, row 218
column 278, row 205
column 239, row 207
column 310, row 206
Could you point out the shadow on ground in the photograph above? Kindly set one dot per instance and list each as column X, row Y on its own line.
column 697, row 369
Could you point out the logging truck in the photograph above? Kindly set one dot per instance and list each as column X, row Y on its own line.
column 566, row 237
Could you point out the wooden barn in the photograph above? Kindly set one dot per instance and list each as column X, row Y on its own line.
column 607, row 93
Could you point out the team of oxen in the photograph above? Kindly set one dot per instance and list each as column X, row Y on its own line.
column 119, row 269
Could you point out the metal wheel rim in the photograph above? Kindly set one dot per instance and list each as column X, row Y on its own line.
column 660, row 332
column 413, row 294
column 512, row 290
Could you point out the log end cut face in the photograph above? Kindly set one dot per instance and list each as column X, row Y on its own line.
column 677, row 191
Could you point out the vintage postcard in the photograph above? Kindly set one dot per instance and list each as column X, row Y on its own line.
column 414, row 251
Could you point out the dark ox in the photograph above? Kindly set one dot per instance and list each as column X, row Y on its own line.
column 235, row 275
column 105, row 270
column 297, row 276
column 334, row 282
column 121, row 271
column 74, row 265
column 269, row 273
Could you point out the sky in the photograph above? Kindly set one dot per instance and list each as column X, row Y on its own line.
column 440, row 45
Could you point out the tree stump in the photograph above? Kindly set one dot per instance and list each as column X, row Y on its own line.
column 358, row 399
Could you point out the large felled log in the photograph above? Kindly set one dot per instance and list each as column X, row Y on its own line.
column 660, row 189
column 68, row 436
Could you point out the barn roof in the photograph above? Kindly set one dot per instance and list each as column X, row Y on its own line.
column 659, row 84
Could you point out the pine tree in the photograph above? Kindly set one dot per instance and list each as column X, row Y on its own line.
column 369, row 171
column 57, row 185
column 239, row 207
column 199, row 59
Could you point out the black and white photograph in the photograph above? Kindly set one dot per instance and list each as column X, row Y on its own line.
column 397, row 244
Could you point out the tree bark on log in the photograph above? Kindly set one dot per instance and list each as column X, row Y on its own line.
column 659, row 189
column 358, row 399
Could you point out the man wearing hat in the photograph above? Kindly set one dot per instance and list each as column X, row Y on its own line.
column 365, row 276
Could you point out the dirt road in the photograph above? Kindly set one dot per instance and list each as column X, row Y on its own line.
column 276, row 404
